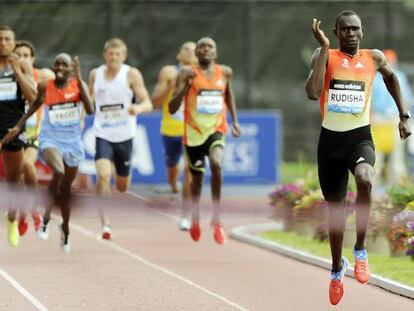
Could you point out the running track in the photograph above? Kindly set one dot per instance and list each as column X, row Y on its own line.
column 151, row 265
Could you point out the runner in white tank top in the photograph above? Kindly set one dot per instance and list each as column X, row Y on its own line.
column 113, row 98
column 113, row 87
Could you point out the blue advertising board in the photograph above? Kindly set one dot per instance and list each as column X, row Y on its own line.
column 254, row 157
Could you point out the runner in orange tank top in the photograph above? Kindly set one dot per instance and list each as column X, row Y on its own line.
column 207, row 92
column 342, row 79
column 26, row 52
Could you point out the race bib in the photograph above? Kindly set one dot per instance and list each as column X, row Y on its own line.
column 179, row 114
column 8, row 89
column 113, row 114
column 64, row 114
column 346, row 96
column 210, row 102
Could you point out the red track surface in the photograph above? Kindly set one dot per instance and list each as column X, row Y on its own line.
column 151, row 265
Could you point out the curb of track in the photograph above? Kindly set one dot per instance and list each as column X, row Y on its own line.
column 248, row 234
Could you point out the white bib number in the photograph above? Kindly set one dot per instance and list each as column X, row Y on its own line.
column 8, row 90
column 210, row 102
column 346, row 96
column 113, row 114
column 64, row 114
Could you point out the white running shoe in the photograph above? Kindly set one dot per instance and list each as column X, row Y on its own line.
column 184, row 224
column 64, row 240
column 43, row 231
column 106, row 232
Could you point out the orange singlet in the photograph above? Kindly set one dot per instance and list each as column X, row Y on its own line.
column 34, row 122
column 70, row 93
column 346, row 98
column 205, row 107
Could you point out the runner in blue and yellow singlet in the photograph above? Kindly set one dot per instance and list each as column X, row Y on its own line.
column 172, row 126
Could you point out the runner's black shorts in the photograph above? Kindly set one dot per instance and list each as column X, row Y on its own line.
column 120, row 153
column 339, row 153
column 31, row 143
column 196, row 155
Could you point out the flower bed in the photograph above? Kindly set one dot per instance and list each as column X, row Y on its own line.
column 301, row 207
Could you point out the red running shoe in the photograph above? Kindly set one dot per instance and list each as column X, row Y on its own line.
column 336, row 286
column 106, row 232
column 195, row 231
column 22, row 226
column 361, row 269
column 219, row 234
column 37, row 220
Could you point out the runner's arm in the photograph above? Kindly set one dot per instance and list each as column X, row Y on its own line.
column 138, row 87
column 165, row 82
column 83, row 87
column 230, row 100
column 91, row 84
column 393, row 87
column 316, row 78
column 184, row 82
column 25, row 79
column 45, row 74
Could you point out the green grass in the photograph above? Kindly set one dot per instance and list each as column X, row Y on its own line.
column 400, row 269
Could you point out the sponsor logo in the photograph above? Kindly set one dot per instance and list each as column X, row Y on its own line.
column 360, row 160
column 345, row 63
column 359, row 65
column 69, row 95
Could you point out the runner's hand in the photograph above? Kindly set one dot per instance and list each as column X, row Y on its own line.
column 404, row 129
column 10, row 135
column 189, row 78
column 319, row 34
column 236, row 130
column 77, row 68
column 133, row 110
column 13, row 60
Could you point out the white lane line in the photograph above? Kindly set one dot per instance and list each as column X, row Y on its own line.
column 22, row 290
column 156, row 267
column 152, row 208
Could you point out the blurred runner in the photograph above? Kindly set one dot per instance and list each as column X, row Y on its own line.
column 60, row 141
column 113, row 86
column 172, row 126
column 26, row 52
column 207, row 92
column 342, row 79
column 390, row 164
column 16, row 86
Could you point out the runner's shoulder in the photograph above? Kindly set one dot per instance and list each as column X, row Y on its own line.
column 227, row 71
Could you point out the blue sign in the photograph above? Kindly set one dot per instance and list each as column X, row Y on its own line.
column 254, row 157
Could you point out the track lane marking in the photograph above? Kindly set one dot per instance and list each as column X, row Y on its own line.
column 22, row 291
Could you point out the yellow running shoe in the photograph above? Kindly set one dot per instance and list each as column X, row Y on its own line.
column 13, row 233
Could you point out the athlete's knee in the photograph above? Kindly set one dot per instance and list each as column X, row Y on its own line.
column 215, row 166
column 363, row 182
column 196, row 179
column 104, row 178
